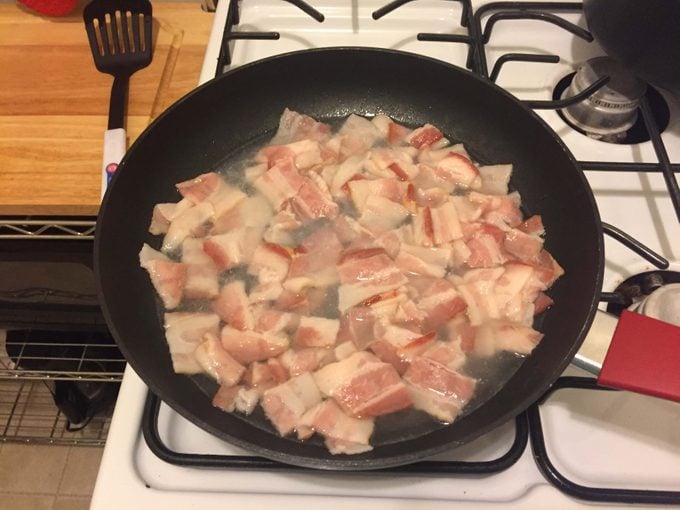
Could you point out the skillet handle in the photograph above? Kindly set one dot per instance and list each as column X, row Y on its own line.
column 594, row 348
column 114, row 149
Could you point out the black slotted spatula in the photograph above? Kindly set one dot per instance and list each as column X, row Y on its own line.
column 119, row 32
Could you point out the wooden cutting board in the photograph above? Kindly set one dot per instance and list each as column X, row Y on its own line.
column 54, row 103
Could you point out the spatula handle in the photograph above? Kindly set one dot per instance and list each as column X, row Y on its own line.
column 114, row 150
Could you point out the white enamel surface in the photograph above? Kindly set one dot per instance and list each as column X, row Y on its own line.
column 617, row 439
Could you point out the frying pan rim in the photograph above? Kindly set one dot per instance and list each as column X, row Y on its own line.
column 350, row 462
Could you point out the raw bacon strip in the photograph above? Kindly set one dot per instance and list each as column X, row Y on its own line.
column 167, row 277
column 363, row 386
column 184, row 331
column 437, row 390
column 232, row 248
column 202, row 273
column 163, row 214
column 316, row 332
column 424, row 136
column 495, row 179
column 343, row 434
column 285, row 404
column 193, row 222
column 217, row 363
column 233, row 306
column 248, row 346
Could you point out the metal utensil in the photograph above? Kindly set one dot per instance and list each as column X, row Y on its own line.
column 119, row 32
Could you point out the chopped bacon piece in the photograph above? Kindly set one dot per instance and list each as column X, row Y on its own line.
column 344, row 350
column 399, row 346
column 285, row 404
column 547, row 269
column 316, row 332
column 304, row 153
column 448, row 354
column 225, row 398
column 440, row 302
column 280, row 183
column 314, row 264
column 424, row 136
column 499, row 210
column 486, row 247
column 533, row 226
column 459, row 170
column 249, row 346
column 348, row 170
column 461, row 333
column 201, row 187
column 391, row 162
column 397, row 134
column 202, row 273
column 381, row 123
column 282, row 228
column 163, row 214
column 294, row 126
column 260, row 374
column 478, row 293
column 363, row 386
column 299, row 361
column 253, row 211
column 361, row 190
column 495, row 179
column 525, row 247
column 217, row 363
column 445, row 223
column 364, row 276
column 357, row 325
column 192, row 222
column 542, row 303
column 275, row 321
column 437, row 390
column 232, row 248
column 423, row 261
column 233, row 306
column 184, row 331
column 270, row 262
column 343, row 434
column 423, row 231
column 167, row 277
column 381, row 214
column 498, row 335
column 358, row 135
column 313, row 200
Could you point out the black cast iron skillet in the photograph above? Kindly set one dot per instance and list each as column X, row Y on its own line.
column 242, row 107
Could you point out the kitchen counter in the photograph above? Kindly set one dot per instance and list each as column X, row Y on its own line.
column 54, row 103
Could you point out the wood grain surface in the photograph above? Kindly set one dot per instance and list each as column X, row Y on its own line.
column 54, row 103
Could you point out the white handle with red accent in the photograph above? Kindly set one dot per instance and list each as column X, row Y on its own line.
column 115, row 143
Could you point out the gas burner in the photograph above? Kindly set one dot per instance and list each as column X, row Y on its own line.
column 651, row 293
column 611, row 113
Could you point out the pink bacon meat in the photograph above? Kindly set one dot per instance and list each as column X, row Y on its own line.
column 357, row 279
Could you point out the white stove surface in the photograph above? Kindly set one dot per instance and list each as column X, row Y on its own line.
column 614, row 439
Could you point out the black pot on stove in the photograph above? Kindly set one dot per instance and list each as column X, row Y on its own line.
column 643, row 35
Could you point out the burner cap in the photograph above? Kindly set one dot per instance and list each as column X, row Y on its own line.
column 612, row 109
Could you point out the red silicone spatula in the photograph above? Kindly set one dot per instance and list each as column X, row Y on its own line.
column 644, row 356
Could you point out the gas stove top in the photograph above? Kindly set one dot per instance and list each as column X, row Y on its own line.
column 580, row 437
